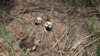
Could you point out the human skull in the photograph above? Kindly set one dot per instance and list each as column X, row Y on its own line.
column 48, row 26
column 38, row 20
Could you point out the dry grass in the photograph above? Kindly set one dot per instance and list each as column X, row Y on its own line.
column 68, row 38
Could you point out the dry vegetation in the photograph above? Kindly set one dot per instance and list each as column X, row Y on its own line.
column 76, row 28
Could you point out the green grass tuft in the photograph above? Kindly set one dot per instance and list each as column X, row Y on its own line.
column 98, row 50
column 92, row 27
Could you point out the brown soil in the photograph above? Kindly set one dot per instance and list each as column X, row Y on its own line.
column 67, row 37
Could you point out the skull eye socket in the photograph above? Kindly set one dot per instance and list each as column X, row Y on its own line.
column 48, row 28
column 47, row 24
column 39, row 20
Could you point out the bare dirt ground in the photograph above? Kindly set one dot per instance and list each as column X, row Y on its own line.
column 68, row 37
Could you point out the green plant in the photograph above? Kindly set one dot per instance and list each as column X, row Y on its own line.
column 11, row 42
column 62, row 1
column 76, row 3
column 92, row 27
column 7, row 39
column 98, row 50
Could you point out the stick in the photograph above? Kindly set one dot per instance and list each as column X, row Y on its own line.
column 60, row 39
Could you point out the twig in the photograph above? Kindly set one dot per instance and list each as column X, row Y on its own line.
column 51, row 50
column 2, row 48
column 87, row 46
column 62, row 36
column 51, row 15
column 55, row 38
column 45, row 52
column 92, row 42
column 42, row 9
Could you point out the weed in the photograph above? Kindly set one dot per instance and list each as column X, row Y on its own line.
column 98, row 50
column 92, row 27
column 7, row 39
column 10, row 42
